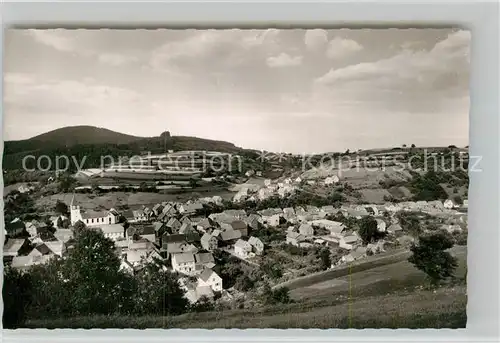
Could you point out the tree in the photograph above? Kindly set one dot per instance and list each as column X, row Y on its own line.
column 413, row 146
column 91, row 274
column 158, row 291
column 429, row 256
column 16, row 296
column 61, row 208
column 193, row 183
column 78, row 228
column 404, row 145
column 326, row 261
column 368, row 230
column 59, row 223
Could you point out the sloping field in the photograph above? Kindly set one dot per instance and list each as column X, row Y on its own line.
column 443, row 308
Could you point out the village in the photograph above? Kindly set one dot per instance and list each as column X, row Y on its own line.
column 189, row 237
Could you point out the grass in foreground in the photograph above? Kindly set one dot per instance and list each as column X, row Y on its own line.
column 443, row 308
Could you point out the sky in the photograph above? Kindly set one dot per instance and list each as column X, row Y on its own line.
column 300, row 91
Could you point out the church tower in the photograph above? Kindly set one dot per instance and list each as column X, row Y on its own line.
column 74, row 211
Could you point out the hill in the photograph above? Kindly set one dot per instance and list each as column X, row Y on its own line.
column 91, row 143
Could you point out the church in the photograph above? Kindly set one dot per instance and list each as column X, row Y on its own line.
column 92, row 218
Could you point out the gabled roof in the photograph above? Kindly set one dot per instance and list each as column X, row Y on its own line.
column 295, row 235
column 254, row 241
column 242, row 244
column 112, row 228
column 43, row 249
column 204, row 258
column 13, row 245
column 206, row 238
column 168, row 238
column 230, row 235
column 186, row 257
column 206, row 274
column 239, row 225
column 94, row 214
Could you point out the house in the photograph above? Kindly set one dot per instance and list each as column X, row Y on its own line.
column 169, row 210
column 242, row 249
column 157, row 209
column 381, row 225
column 129, row 216
column 92, row 218
column 238, row 214
column 306, row 230
column 159, row 228
column 184, row 263
column 298, row 180
column 394, row 228
column 210, row 278
column 204, row 225
column 15, row 247
column 113, row 231
column 186, row 228
column 449, row 204
column 312, row 209
column 57, row 247
column 257, row 245
column 348, row 242
column 240, row 226
column 289, row 213
column 174, row 225
column 15, row 228
column 452, row 228
column 41, row 250
column 465, row 203
column 354, row 255
column 194, row 294
column 139, row 216
column 267, row 182
column 327, row 210
column 204, row 260
column 190, row 209
column 295, row 238
column 25, row 189
column 209, row 242
column 23, row 263
column 331, row 180
column 63, row 235
column 335, row 228
column 146, row 231
column 229, row 236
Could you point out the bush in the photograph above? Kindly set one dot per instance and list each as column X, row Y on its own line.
column 368, row 230
column 429, row 256
column 17, row 296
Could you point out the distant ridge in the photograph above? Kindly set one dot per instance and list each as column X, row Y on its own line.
column 94, row 142
column 73, row 135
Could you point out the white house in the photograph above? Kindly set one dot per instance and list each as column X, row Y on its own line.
column 209, row 242
column 257, row 245
column 449, row 204
column 91, row 218
column 294, row 238
column 394, row 228
column 184, row 263
column 267, row 182
column 348, row 242
column 242, row 248
column 210, row 278
column 381, row 225
column 306, row 230
column 298, row 180
column 331, row 180
column 113, row 231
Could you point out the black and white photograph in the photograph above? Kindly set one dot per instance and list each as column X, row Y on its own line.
column 236, row 178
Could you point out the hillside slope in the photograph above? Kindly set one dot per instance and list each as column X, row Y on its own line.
column 93, row 142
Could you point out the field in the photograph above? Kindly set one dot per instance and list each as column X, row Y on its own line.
column 389, row 296
column 115, row 199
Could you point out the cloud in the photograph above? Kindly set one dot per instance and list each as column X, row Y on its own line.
column 341, row 48
column 283, row 60
column 58, row 39
column 447, row 56
column 315, row 39
column 225, row 48
column 116, row 59
column 67, row 41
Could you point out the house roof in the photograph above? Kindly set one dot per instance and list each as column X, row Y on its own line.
column 395, row 227
column 43, row 249
column 351, row 239
column 204, row 258
column 206, row 274
column 146, row 229
column 242, row 244
column 157, row 226
column 173, row 222
column 184, row 257
column 112, row 228
column 138, row 213
column 13, row 245
column 295, row 235
column 206, row 238
column 205, row 223
column 128, row 214
column 239, row 225
column 230, row 235
column 186, row 227
column 168, row 238
column 94, row 214
column 305, row 227
column 254, row 241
